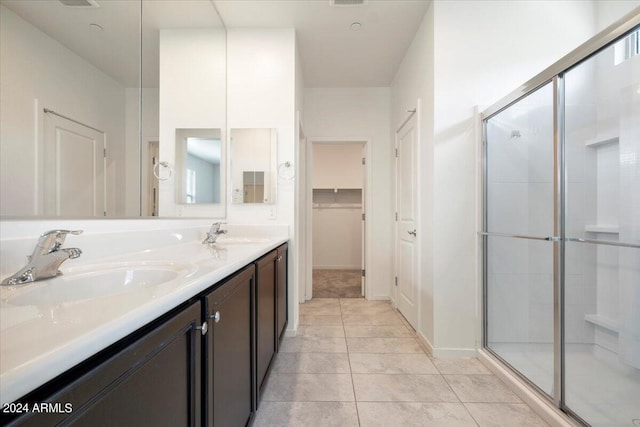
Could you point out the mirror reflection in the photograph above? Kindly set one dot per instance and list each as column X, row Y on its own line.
column 254, row 166
column 80, row 127
column 198, row 155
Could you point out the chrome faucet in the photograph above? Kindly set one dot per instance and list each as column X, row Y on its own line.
column 46, row 258
column 213, row 233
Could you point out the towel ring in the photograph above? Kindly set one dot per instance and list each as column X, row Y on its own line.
column 286, row 171
column 156, row 170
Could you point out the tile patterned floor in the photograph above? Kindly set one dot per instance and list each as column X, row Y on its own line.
column 358, row 363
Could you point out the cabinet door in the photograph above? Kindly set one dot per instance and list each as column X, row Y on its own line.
column 265, row 314
column 281, row 291
column 229, row 351
column 154, row 381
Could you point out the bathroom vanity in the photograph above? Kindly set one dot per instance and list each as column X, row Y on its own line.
column 193, row 350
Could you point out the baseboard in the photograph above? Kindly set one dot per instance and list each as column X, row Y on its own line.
column 424, row 342
column 454, row 352
column 337, row 267
column 541, row 406
column 444, row 352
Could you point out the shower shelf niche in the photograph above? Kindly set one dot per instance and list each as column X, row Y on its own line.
column 603, row 139
column 605, row 229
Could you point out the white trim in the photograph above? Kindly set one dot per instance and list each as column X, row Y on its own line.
column 544, row 408
column 368, row 293
column 424, row 342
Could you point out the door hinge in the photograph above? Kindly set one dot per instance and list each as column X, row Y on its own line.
column 104, row 152
column 396, row 281
column 396, row 152
column 364, row 160
column 104, row 213
column 363, row 217
column 363, row 273
column 396, row 216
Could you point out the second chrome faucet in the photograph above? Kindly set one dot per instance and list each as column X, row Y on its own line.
column 213, row 233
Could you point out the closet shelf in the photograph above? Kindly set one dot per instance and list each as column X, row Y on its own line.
column 602, row 140
column 602, row 321
column 608, row 229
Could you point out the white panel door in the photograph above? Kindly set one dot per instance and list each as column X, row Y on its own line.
column 74, row 169
column 406, row 206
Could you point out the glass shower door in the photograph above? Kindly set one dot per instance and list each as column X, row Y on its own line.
column 520, row 193
column 602, row 254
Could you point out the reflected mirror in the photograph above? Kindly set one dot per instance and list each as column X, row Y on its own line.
column 80, row 127
column 253, row 166
column 198, row 168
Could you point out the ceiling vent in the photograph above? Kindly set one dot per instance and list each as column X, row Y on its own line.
column 79, row 3
column 348, row 2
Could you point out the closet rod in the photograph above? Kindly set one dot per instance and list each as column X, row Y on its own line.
column 46, row 110
column 411, row 113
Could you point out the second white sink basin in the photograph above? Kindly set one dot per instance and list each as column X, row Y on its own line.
column 96, row 282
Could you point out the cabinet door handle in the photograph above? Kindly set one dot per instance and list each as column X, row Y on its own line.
column 215, row 316
column 413, row 233
column 279, row 258
column 203, row 329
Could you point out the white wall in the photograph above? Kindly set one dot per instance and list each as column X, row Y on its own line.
column 414, row 81
column 38, row 72
column 261, row 93
column 361, row 113
column 192, row 94
column 481, row 52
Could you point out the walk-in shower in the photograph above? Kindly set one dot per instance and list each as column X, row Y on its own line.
column 561, row 230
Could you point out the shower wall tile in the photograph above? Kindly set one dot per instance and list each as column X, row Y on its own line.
column 541, row 323
column 508, row 308
column 575, row 219
column 507, row 256
column 540, row 154
column 540, row 209
column 540, row 257
column 541, row 288
column 508, row 208
column 507, row 158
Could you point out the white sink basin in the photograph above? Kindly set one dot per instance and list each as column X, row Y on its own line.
column 89, row 282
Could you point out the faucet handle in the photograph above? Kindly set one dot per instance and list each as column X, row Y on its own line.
column 60, row 233
column 52, row 240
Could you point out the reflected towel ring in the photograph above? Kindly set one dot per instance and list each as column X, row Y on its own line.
column 156, row 170
column 286, row 171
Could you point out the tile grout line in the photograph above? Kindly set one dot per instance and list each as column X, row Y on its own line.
column 353, row 385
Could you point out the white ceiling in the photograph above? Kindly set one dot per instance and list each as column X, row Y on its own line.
column 332, row 55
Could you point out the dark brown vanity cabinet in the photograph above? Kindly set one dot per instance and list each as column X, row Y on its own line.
column 281, row 291
column 155, row 380
column 202, row 364
column 265, row 315
column 229, row 351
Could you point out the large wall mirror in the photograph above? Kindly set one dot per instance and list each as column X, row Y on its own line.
column 85, row 87
column 254, row 173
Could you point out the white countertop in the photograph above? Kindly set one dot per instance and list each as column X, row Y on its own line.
column 40, row 341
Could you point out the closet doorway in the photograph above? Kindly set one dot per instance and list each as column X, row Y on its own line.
column 338, row 175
